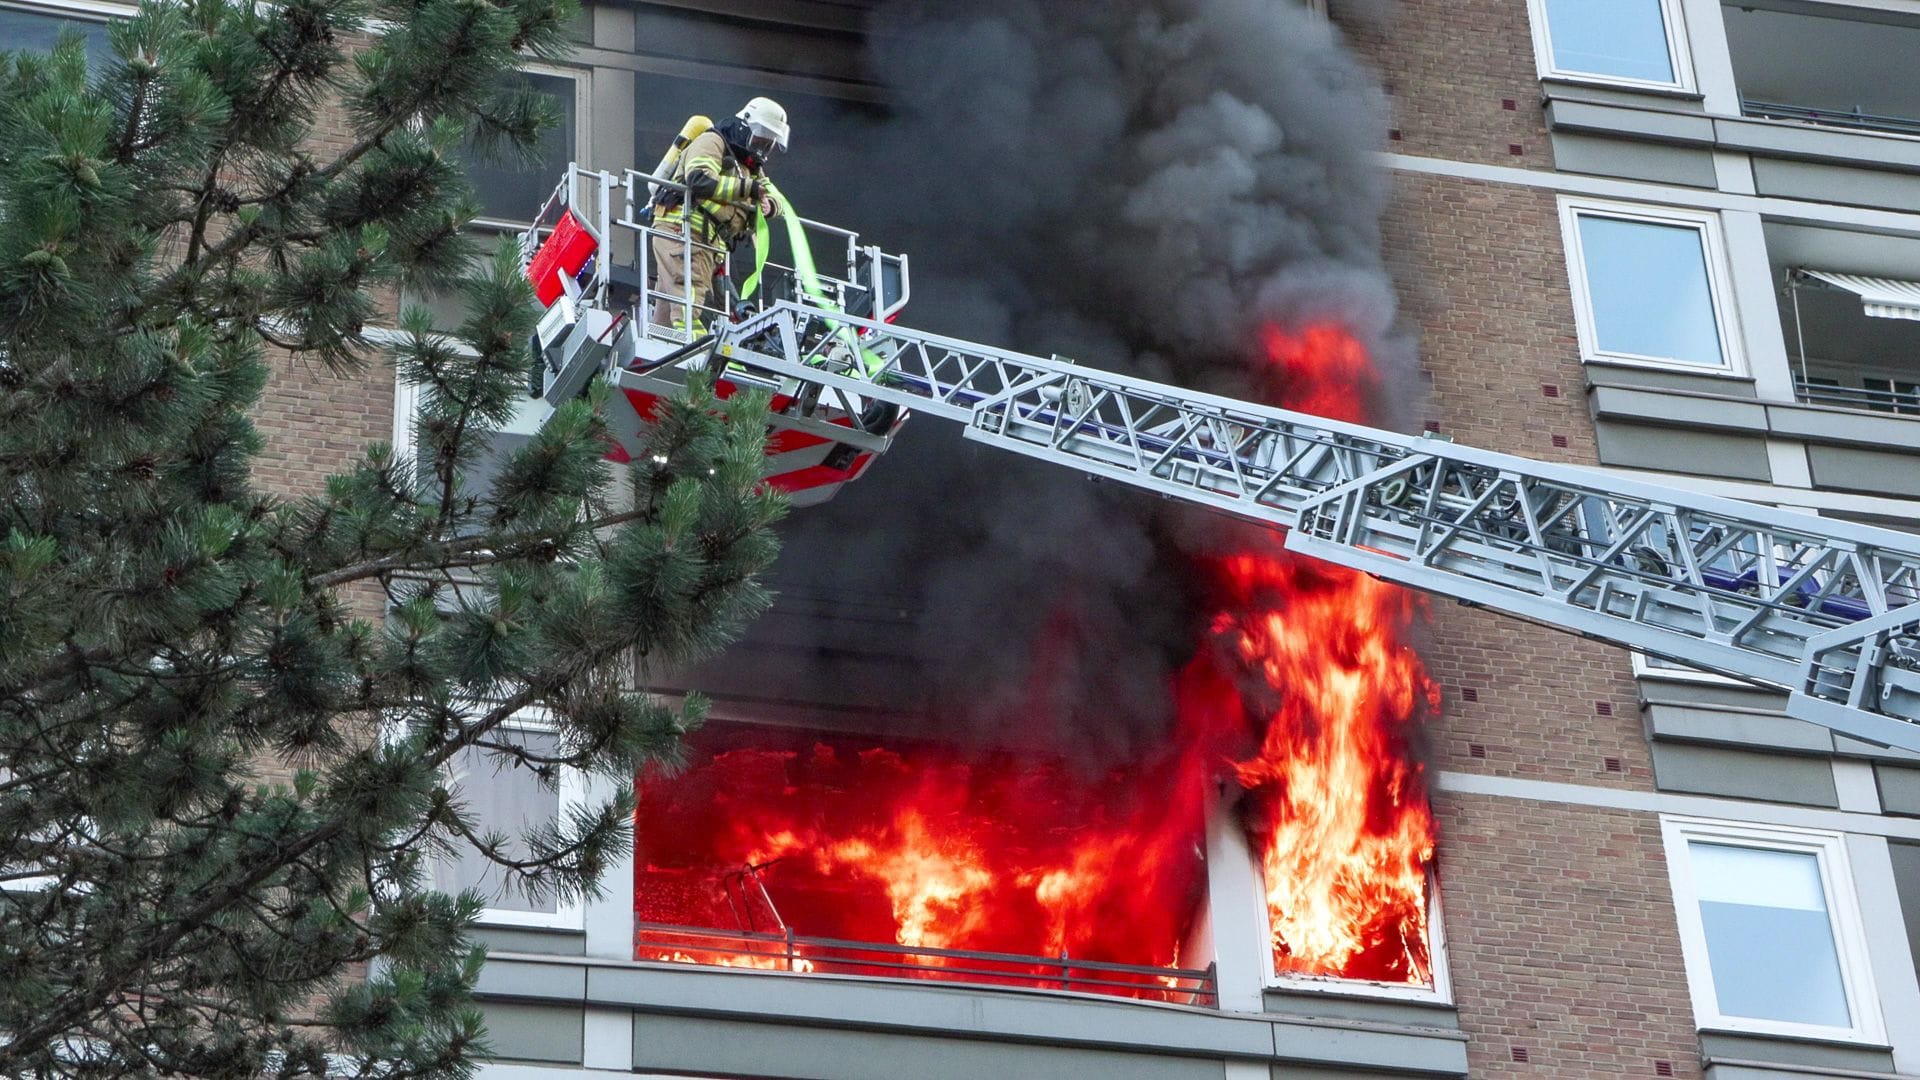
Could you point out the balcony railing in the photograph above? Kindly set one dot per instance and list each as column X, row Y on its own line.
column 1854, row 118
column 829, row 956
column 1847, row 397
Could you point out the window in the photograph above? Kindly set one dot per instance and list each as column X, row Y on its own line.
column 1435, row 986
column 1637, row 42
column 1770, row 930
column 696, row 61
column 37, row 31
column 1647, row 287
column 499, row 795
column 506, row 798
column 1906, row 883
column 511, row 190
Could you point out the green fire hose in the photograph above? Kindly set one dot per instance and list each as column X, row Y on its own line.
column 809, row 275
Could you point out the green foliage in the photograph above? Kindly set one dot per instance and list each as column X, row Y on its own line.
column 226, row 719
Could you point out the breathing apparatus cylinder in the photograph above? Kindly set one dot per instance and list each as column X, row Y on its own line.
column 695, row 127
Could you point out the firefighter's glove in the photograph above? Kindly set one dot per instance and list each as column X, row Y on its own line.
column 769, row 198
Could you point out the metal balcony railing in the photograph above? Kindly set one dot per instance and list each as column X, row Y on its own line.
column 830, row 956
column 1905, row 402
column 1851, row 118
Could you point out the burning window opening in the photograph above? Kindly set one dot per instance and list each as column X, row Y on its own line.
column 1318, row 660
column 805, row 851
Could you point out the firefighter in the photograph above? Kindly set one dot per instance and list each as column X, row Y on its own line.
column 725, row 170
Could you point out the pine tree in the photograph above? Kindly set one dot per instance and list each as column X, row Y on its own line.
column 170, row 634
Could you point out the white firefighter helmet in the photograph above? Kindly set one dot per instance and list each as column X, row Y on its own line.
column 767, row 122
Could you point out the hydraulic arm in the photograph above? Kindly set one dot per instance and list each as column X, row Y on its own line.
column 1828, row 610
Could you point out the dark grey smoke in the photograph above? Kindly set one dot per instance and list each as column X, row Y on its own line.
column 1139, row 186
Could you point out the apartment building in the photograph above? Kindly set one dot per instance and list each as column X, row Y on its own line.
column 1674, row 239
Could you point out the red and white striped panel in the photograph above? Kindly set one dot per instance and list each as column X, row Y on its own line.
column 810, row 468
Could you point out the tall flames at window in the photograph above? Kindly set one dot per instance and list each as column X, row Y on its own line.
column 1302, row 704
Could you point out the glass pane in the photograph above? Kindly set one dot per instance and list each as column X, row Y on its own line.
column 511, row 191
column 29, row 32
column 1648, row 285
column 499, row 798
column 1769, row 939
column 1625, row 38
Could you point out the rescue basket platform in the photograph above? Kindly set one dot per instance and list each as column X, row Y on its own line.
column 590, row 256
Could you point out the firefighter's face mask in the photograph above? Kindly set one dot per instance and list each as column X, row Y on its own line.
column 762, row 141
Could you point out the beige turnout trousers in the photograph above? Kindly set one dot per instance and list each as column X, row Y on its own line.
column 670, row 277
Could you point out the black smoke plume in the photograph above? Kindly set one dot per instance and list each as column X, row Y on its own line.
column 1138, row 186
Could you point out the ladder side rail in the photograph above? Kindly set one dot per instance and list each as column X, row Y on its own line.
column 933, row 369
column 1860, row 677
column 1573, row 562
column 1031, row 401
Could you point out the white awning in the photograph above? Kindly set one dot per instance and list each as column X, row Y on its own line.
column 1882, row 298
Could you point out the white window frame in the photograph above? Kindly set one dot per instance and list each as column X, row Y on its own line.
column 1719, row 283
column 1843, row 916
column 1679, row 54
column 1647, row 667
column 93, row 10
column 568, row 914
column 1441, row 991
column 582, row 132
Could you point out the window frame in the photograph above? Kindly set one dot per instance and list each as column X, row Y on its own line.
column 568, row 914
column 90, row 10
column 582, row 132
column 1679, row 53
column 1650, row 667
column 1440, row 992
column 1719, row 284
column 1843, row 919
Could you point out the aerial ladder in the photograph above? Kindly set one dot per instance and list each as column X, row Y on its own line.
column 1828, row 611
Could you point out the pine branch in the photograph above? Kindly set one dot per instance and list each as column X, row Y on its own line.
column 466, row 553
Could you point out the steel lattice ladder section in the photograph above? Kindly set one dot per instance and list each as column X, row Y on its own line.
column 1828, row 610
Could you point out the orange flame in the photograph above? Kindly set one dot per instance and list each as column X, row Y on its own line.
column 1308, row 695
column 924, row 847
column 1321, row 665
column 1335, row 799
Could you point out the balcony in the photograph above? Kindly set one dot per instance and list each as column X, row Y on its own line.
column 790, row 952
column 1849, row 309
column 1853, row 72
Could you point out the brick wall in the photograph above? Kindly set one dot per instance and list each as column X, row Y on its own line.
column 1562, row 941
column 1481, row 270
column 1561, row 932
column 316, row 423
column 1482, row 273
column 1461, row 79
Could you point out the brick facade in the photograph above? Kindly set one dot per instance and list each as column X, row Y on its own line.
column 1562, row 941
column 1560, row 925
column 1460, row 78
column 316, row 422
